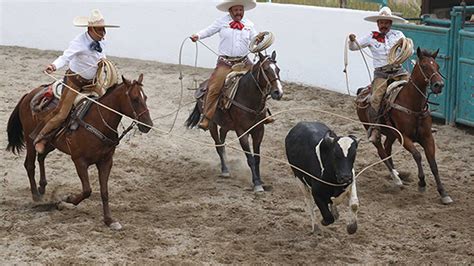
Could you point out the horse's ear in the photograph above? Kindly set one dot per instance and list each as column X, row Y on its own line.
column 126, row 81
column 418, row 52
column 260, row 55
column 354, row 138
column 140, row 78
column 436, row 53
column 274, row 55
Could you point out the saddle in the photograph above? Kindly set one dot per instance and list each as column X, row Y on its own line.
column 47, row 99
column 227, row 92
column 393, row 89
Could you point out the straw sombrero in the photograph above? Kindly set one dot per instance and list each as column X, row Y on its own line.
column 94, row 20
column 226, row 4
column 386, row 13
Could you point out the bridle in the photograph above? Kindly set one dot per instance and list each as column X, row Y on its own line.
column 427, row 80
column 269, row 82
column 136, row 116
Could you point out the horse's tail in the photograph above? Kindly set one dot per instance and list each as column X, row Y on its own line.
column 194, row 117
column 16, row 141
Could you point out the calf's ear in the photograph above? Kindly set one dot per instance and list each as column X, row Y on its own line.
column 329, row 137
column 354, row 138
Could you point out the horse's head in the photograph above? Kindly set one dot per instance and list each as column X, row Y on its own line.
column 135, row 106
column 430, row 70
column 271, row 74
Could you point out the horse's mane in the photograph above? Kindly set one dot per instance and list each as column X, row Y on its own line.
column 111, row 89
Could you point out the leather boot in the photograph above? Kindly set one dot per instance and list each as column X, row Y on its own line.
column 374, row 131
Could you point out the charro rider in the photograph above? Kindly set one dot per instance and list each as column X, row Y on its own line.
column 236, row 33
column 82, row 57
column 380, row 42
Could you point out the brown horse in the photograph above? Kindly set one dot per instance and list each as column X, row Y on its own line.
column 248, row 108
column 84, row 146
column 410, row 115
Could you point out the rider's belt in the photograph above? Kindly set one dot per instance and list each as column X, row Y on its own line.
column 232, row 60
column 390, row 69
column 76, row 79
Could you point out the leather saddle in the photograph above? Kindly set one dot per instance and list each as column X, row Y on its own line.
column 227, row 92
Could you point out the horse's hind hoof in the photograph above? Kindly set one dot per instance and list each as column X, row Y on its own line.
column 258, row 188
column 446, row 200
column 115, row 226
column 422, row 189
column 352, row 228
column 225, row 175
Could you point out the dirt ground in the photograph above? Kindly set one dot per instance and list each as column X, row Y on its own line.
column 174, row 207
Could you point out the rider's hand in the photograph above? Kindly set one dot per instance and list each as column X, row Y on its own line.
column 352, row 37
column 259, row 37
column 194, row 37
column 50, row 68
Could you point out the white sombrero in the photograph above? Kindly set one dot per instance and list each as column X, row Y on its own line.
column 94, row 20
column 226, row 4
column 386, row 13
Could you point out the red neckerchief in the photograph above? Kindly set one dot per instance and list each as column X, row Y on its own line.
column 380, row 37
column 236, row 25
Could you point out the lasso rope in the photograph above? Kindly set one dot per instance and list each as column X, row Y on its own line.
column 244, row 134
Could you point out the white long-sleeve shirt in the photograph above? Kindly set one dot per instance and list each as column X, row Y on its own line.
column 379, row 50
column 80, row 58
column 233, row 42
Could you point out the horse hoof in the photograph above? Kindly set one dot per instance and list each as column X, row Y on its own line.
column 446, row 200
column 352, row 228
column 422, row 189
column 37, row 198
column 258, row 188
column 225, row 175
column 115, row 226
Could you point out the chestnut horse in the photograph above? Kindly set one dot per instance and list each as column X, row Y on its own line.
column 410, row 115
column 248, row 108
column 85, row 147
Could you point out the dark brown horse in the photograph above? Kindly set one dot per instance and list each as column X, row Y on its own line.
column 410, row 115
column 85, row 147
column 248, row 108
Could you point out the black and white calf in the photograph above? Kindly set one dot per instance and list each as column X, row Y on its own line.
column 314, row 148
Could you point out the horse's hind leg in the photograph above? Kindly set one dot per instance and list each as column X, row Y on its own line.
column 383, row 154
column 104, row 168
column 42, row 182
column 219, row 138
column 389, row 140
column 30, row 169
column 429, row 147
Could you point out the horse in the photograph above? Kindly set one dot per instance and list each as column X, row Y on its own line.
column 93, row 142
column 409, row 114
column 247, row 109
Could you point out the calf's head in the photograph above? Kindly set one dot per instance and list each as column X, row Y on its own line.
column 339, row 154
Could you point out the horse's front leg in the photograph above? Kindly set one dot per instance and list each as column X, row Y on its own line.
column 257, row 136
column 244, row 143
column 410, row 146
column 219, row 138
column 104, row 168
column 429, row 147
column 81, row 168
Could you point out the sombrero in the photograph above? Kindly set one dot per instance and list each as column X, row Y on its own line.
column 386, row 13
column 226, row 4
column 94, row 20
